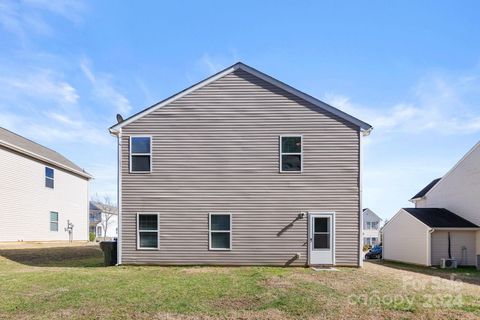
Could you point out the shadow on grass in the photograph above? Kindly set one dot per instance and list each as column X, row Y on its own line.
column 66, row 257
column 465, row 274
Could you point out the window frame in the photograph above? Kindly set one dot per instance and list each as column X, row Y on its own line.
column 57, row 221
column 328, row 232
column 46, row 177
column 97, row 233
column 219, row 231
column 131, row 154
column 157, row 231
column 281, row 153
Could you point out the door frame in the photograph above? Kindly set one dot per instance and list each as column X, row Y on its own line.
column 330, row 214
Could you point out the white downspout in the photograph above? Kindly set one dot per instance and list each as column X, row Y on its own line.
column 119, row 196
column 360, row 227
column 429, row 247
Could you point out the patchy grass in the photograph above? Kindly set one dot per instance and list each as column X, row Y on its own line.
column 70, row 283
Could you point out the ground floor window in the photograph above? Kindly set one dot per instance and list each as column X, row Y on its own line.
column 220, row 231
column 147, row 231
column 53, row 221
column 371, row 241
column 99, row 231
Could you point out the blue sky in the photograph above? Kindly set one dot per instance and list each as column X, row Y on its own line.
column 410, row 69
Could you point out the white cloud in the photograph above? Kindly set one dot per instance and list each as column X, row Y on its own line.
column 42, row 84
column 437, row 104
column 26, row 17
column 103, row 88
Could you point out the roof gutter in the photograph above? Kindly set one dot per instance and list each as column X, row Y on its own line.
column 367, row 132
column 44, row 159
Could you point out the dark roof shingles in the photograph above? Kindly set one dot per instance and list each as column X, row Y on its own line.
column 440, row 218
column 424, row 191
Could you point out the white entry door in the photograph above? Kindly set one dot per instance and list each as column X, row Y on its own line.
column 321, row 238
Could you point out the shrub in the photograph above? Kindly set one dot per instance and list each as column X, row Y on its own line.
column 92, row 236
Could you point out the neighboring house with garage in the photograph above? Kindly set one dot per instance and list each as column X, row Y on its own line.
column 240, row 169
column 103, row 220
column 446, row 211
column 41, row 192
column 371, row 227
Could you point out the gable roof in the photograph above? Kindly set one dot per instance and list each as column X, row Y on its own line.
column 439, row 218
column 32, row 149
column 371, row 211
column 362, row 125
column 424, row 191
column 101, row 207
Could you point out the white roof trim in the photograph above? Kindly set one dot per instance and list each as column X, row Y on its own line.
column 405, row 212
column 376, row 215
column 44, row 159
column 449, row 172
column 363, row 125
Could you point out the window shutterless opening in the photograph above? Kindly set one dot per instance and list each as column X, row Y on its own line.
column 220, row 231
column 53, row 221
column 140, row 154
column 49, row 177
column 147, row 231
column 291, row 153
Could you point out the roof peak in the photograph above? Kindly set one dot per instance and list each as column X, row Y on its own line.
column 240, row 65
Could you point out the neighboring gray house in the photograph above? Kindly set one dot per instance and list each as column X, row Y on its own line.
column 103, row 220
column 446, row 210
column 41, row 191
column 240, row 169
column 371, row 227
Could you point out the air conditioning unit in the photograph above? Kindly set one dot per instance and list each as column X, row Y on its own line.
column 449, row 263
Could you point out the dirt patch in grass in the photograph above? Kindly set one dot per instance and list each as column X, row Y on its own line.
column 230, row 303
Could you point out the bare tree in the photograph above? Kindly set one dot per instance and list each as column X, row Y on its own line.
column 108, row 211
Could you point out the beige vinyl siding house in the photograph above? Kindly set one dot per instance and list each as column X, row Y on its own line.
column 458, row 192
column 40, row 191
column 240, row 169
column 406, row 239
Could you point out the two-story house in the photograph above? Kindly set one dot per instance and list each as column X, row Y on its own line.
column 445, row 221
column 240, row 169
column 103, row 220
column 43, row 195
column 371, row 227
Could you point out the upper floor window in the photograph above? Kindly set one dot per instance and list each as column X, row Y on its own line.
column 49, row 177
column 291, row 153
column 372, row 225
column 140, row 154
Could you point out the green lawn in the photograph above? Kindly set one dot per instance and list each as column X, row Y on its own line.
column 71, row 283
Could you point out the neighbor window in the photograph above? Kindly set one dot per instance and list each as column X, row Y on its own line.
column 372, row 225
column 220, row 231
column 147, row 231
column 291, row 153
column 140, row 154
column 49, row 177
column 99, row 231
column 53, row 221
